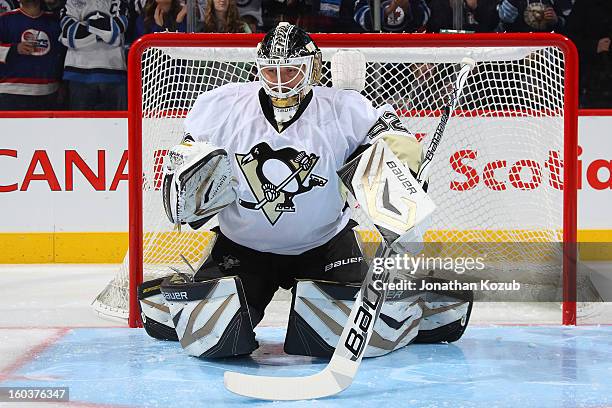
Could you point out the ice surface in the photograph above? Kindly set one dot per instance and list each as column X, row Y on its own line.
column 489, row 367
column 50, row 337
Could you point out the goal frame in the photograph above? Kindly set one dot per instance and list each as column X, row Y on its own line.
column 373, row 40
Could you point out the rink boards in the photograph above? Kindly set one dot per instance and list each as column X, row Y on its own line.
column 65, row 183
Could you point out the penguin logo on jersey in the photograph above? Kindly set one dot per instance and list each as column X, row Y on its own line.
column 275, row 177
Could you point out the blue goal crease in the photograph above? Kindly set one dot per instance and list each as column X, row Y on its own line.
column 489, row 367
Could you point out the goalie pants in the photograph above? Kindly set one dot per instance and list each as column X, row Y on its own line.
column 262, row 273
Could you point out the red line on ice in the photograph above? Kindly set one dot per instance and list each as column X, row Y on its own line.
column 32, row 353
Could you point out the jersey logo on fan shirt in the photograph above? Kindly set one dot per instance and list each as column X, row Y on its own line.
column 396, row 18
column 40, row 39
column 275, row 177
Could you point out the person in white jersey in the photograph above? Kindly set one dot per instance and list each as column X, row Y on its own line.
column 264, row 157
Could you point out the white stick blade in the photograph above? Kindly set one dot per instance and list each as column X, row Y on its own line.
column 319, row 385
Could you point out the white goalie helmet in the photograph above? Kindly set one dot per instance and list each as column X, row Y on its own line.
column 289, row 64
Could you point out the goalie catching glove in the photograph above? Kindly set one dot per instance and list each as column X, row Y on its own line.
column 197, row 183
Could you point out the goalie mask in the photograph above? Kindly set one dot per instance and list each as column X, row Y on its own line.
column 289, row 64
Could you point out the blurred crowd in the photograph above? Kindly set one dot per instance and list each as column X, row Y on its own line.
column 71, row 54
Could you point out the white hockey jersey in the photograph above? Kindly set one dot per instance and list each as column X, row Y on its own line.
column 91, row 58
column 289, row 193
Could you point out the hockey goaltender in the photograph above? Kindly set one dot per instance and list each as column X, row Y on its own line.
column 263, row 157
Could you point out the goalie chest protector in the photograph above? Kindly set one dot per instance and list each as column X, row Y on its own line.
column 289, row 197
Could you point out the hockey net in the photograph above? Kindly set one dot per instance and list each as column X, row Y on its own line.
column 504, row 174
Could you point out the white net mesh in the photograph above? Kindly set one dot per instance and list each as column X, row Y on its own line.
column 497, row 176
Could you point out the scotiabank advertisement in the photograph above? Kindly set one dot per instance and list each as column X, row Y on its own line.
column 63, row 184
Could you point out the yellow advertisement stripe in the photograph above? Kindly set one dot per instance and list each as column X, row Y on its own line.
column 599, row 247
column 110, row 247
column 63, row 247
column 17, row 248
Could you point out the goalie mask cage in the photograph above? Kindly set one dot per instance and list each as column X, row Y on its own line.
column 504, row 173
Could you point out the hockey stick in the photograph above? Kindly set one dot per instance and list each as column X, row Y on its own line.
column 343, row 366
column 256, row 206
column 467, row 65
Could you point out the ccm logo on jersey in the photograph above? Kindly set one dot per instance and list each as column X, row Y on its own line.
column 401, row 177
column 343, row 262
column 175, row 296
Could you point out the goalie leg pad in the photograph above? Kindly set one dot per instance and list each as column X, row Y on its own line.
column 446, row 314
column 154, row 310
column 320, row 309
column 211, row 317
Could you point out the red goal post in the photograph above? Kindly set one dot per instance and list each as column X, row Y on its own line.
column 391, row 43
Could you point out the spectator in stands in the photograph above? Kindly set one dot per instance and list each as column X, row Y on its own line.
column 221, row 16
column 590, row 27
column 54, row 6
column 137, row 6
column 441, row 16
column 328, row 16
column 95, row 67
column 481, row 16
column 8, row 5
column 162, row 15
column 309, row 15
column 31, row 58
column 396, row 15
column 134, row 11
column 533, row 15
column 250, row 11
column 251, row 21
column 477, row 15
column 275, row 11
